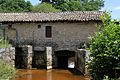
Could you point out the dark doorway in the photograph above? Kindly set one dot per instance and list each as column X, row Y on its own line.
column 20, row 58
column 62, row 61
column 39, row 60
column 62, row 58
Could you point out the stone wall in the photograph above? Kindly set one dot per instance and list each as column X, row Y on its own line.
column 65, row 36
column 23, row 57
column 80, row 60
column 8, row 55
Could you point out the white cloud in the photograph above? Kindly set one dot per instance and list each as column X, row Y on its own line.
column 117, row 8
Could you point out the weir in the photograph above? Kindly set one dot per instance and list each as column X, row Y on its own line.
column 26, row 58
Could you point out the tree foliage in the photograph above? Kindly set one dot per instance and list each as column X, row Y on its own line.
column 6, row 71
column 105, row 50
column 79, row 5
column 70, row 6
column 90, row 5
column 50, row 5
column 15, row 6
column 44, row 7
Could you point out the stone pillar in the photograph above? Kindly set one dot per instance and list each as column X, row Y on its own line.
column 80, row 60
column 27, row 50
column 54, row 60
column 23, row 57
column 30, row 52
column 49, row 57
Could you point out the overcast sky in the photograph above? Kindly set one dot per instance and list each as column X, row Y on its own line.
column 110, row 5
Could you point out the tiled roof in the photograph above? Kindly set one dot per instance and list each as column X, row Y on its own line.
column 43, row 17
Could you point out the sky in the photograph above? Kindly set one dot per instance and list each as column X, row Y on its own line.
column 114, row 6
column 110, row 5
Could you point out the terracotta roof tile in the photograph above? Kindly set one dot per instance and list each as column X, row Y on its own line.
column 60, row 16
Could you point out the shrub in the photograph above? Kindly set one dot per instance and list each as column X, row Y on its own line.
column 4, row 43
column 6, row 71
column 105, row 49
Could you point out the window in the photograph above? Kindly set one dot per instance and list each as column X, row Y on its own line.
column 48, row 31
column 9, row 26
column 39, row 26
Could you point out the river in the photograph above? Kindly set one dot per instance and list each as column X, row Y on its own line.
column 53, row 74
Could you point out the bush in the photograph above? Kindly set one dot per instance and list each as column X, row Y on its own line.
column 105, row 49
column 6, row 71
column 4, row 43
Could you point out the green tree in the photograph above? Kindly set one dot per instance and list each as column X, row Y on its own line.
column 89, row 5
column 44, row 7
column 79, row 5
column 70, row 6
column 105, row 50
column 15, row 6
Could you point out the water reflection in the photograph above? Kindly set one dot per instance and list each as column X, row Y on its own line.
column 49, row 75
column 54, row 74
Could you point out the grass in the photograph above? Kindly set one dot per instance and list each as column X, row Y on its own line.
column 4, row 43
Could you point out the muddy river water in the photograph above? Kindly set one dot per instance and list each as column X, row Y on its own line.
column 54, row 74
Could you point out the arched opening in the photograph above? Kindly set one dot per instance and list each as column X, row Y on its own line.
column 64, row 57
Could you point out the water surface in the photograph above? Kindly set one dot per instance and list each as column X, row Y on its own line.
column 54, row 74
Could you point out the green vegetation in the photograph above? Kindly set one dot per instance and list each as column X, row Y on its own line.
column 4, row 43
column 54, row 6
column 77, row 5
column 105, row 50
column 70, row 6
column 15, row 6
column 6, row 71
column 44, row 7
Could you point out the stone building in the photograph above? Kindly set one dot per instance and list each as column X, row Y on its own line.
column 62, row 33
